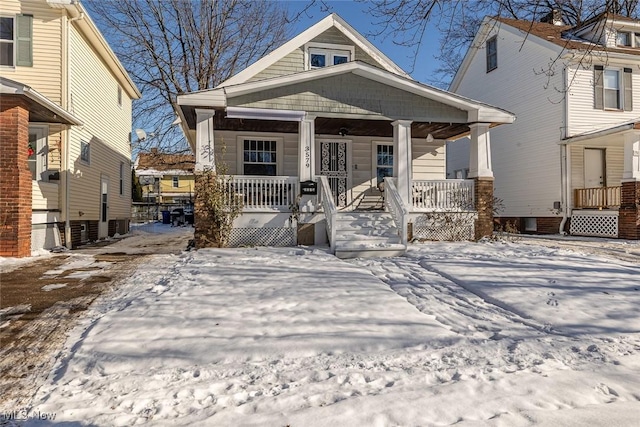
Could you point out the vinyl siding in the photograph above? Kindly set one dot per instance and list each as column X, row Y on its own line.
column 351, row 94
column 583, row 117
column 185, row 185
column 526, row 154
column 614, row 162
column 45, row 76
column 106, row 128
column 44, row 195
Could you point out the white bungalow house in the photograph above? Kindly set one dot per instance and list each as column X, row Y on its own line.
column 571, row 161
column 328, row 111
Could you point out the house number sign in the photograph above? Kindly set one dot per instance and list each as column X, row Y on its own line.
column 307, row 156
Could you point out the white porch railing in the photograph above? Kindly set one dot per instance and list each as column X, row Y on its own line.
column 266, row 193
column 393, row 203
column 447, row 195
column 330, row 210
column 596, row 198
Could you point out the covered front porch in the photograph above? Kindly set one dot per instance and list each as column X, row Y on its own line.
column 379, row 150
column 603, row 180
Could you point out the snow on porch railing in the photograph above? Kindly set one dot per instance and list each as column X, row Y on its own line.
column 330, row 210
column 447, row 195
column 596, row 198
column 265, row 193
column 393, row 203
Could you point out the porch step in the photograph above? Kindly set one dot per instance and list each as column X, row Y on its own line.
column 367, row 234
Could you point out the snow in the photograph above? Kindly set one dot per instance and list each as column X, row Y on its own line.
column 53, row 286
column 493, row 333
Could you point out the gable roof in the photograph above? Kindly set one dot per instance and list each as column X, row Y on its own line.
column 331, row 21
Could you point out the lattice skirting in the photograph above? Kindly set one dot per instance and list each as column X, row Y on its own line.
column 264, row 236
column 447, row 226
column 594, row 224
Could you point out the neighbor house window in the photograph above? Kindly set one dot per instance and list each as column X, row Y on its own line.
column 85, row 152
column 623, row 38
column 492, row 53
column 121, row 178
column 613, row 88
column 384, row 162
column 38, row 153
column 176, row 182
column 260, row 157
column 16, row 41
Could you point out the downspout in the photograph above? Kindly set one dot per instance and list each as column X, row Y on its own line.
column 564, row 159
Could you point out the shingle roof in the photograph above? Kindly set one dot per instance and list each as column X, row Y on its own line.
column 166, row 162
column 562, row 35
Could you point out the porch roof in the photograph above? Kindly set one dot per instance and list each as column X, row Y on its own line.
column 41, row 108
column 317, row 92
column 602, row 132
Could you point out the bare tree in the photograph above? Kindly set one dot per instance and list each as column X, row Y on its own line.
column 457, row 21
column 171, row 47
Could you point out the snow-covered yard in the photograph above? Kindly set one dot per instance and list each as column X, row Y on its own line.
column 452, row 333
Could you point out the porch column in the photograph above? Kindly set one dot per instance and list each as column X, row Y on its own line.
column 15, row 179
column 204, row 153
column 481, row 172
column 306, row 161
column 629, row 212
column 402, row 158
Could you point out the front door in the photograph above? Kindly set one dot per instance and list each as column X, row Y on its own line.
column 594, row 171
column 334, row 164
column 103, row 225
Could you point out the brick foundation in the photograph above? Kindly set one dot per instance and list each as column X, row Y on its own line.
column 484, row 206
column 545, row 225
column 15, row 179
column 629, row 213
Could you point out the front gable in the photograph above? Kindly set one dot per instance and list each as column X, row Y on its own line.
column 350, row 94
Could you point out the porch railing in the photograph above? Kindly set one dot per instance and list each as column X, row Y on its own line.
column 266, row 193
column 329, row 208
column 448, row 195
column 393, row 203
column 596, row 198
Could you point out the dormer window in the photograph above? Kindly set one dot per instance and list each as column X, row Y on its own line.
column 623, row 38
column 321, row 55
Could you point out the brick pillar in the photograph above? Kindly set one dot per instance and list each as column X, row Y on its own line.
column 629, row 213
column 15, row 178
column 483, row 187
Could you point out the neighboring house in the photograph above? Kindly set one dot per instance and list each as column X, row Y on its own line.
column 329, row 107
column 570, row 163
column 166, row 179
column 65, row 120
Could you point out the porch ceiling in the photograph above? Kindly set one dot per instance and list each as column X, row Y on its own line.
column 332, row 126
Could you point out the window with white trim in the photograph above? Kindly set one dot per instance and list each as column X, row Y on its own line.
column 176, row 182
column 7, row 41
column 38, row 154
column 384, row 162
column 319, row 58
column 16, row 44
column 259, row 157
column 492, row 53
column 613, row 88
column 623, row 38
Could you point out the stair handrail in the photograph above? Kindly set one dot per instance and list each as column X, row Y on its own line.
column 330, row 210
column 395, row 206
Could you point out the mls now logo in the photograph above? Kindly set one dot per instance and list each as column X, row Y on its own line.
column 25, row 414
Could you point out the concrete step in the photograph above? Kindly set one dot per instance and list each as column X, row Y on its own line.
column 355, row 250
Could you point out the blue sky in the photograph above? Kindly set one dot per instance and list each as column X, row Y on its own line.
column 356, row 15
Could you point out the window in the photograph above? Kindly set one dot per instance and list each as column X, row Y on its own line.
column 492, row 54
column 623, row 38
column 15, row 41
column 119, row 96
column 384, row 162
column 121, row 178
column 530, row 224
column 636, row 39
column 324, row 54
column 613, row 88
column 85, row 152
column 176, row 182
column 38, row 153
column 259, row 157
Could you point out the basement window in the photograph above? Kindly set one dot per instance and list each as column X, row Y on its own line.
column 530, row 224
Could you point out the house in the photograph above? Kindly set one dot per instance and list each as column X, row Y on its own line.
column 326, row 129
column 167, row 181
column 65, row 119
column 570, row 162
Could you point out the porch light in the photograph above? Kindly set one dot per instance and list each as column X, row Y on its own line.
column 343, row 131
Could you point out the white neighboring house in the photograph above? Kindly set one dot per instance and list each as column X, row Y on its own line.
column 570, row 163
column 330, row 108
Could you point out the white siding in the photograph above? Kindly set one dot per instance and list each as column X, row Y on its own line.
column 525, row 155
column 44, row 195
column 106, row 128
column 583, row 117
column 614, row 164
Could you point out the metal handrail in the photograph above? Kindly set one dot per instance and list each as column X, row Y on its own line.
column 399, row 213
column 330, row 210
